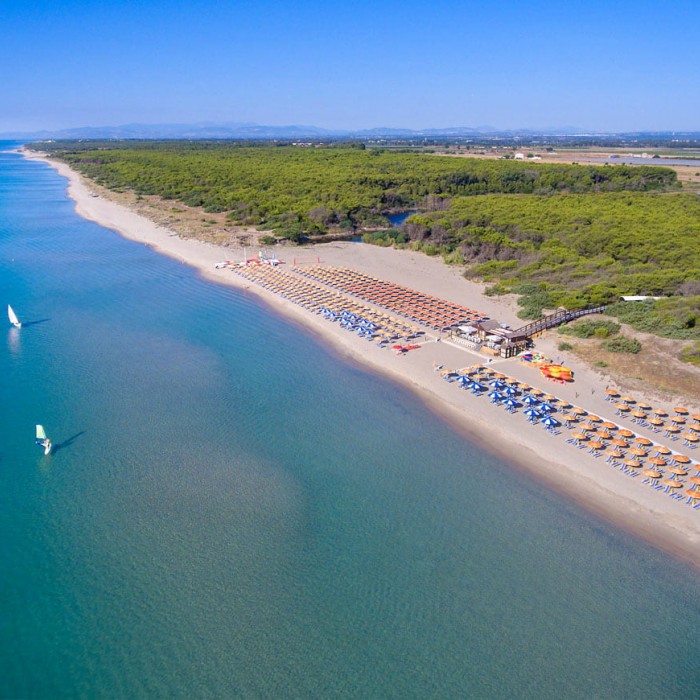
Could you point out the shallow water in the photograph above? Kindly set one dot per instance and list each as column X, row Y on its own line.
column 233, row 511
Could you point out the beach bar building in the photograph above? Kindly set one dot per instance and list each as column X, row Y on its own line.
column 491, row 337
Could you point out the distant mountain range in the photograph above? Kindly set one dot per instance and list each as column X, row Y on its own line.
column 258, row 131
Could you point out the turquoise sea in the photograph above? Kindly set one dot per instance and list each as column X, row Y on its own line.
column 233, row 511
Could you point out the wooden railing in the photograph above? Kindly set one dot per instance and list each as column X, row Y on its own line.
column 555, row 320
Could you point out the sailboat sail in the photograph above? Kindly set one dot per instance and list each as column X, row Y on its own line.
column 40, row 433
column 13, row 317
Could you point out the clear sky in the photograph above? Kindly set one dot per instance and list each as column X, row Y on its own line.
column 611, row 65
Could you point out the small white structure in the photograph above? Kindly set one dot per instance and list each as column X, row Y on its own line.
column 519, row 156
column 640, row 298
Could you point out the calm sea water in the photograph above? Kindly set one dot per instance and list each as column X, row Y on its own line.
column 231, row 511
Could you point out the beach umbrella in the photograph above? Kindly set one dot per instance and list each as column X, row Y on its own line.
column 596, row 445
column 475, row 386
column 678, row 470
column 510, row 403
column 642, row 440
column 622, row 407
column 510, row 391
column 627, row 399
column 689, row 437
column 639, row 452
column 681, row 459
column 656, row 421
column 660, row 412
column 633, row 463
column 614, row 453
column 551, row 422
column 638, row 414
column 495, row 395
column 497, row 384
column 692, row 493
column 603, row 434
column 678, row 420
column 662, row 450
column 579, row 436
column 625, row 433
column 530, row 400
column 608, row 425
column 672, row 483
column 658, row 461
column 696, row 416
column 681, row 411
column 652, row 473
column 695, row 479
column 548, row 407
column 578, row 411
column 612, row 392
column 643, row 406
column 532, row 413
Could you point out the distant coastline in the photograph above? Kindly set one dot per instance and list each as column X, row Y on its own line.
column 662, row 521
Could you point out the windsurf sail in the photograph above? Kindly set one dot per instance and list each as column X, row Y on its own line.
column 13, row 317
column 40, row 434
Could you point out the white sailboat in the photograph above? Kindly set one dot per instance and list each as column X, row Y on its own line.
column 42, row 440
column 13, row 317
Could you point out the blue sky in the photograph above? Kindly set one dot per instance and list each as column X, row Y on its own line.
column 613, row 65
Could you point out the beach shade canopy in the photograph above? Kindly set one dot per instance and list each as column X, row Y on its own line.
column 463, row 380
column 579, row 436
column 608, row 425
column 596, row 444
column 681, row 459
column 510, row 402
column 550, row 422
column 622, row 407
column 603, row 434
column 548, row 407
column 497, row 384
column 642, row 440
column 681, row 411
column 633, row 463
column 612, row 392
column 652, row 473
column 692, row 493
column 660, row 412
column 643, row 406
column 619, row 442
column 673, row 483
column 532, row 413
column 663, row 450
column 639, row 452
column 614, row 453
column 625, row 433
column 656, row 421
column 678, row 470
column 530, row 400
column 496, row 395
column 627, row 399
column 658, row 461
column 695, row 479
column 476, row 386
column 578, row 411
column 511, row 391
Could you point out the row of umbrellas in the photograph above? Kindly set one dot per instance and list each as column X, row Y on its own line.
column 316, row 298
column 422, row 308
column 632, row 451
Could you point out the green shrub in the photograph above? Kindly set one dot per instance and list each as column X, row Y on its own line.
column 565, row 346
column 590, row 329
column 691, row 354
column 268, row 240
column 622, row 344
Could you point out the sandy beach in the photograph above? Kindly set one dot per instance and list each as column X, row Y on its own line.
column 645, row 512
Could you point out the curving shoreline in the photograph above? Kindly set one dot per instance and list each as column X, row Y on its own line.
column 664, row 522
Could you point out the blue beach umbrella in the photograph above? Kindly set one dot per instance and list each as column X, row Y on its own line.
column 547, row 407
column 495, row 395
column 463, row 380
column 511, row 403
column 510, row 391
column 475, row 386
column 497, row 384
column 550, row 422
column 530, row 400
column 532, row 413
